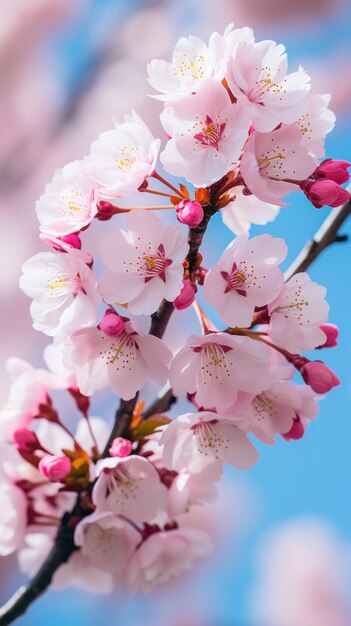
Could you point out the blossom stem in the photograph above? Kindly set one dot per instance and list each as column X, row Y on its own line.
column 170, row 186
column 160, row 193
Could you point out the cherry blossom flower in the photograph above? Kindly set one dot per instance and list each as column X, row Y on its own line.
column 124, row 362
column 257, row 75
column 245, row 210
column 28, row 390
column 131, row 487
column 245, row 276
column 165, row 555
column 207, row 134
column 316, row 123
column 203, row 442
column 106, row 540
column 271, row 162
column 64, row 292
column 68, row 203
column 193, row 62
column 13, row 518
column 297, row 314
column 217, row 367
column 79, row 572
column 188, row 490
column 122, row 158
column 273, row 411
column 144, row 265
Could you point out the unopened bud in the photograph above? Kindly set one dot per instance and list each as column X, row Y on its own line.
column 332, row 332
column 319, row 376
column 333, row 170
column 325, row 192
column 190, row 212
column 25, row 440
column 120, row 447
column 112, row 324
column 55, row 468
column 186, row 296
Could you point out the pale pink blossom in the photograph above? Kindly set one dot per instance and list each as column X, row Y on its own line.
column 64, row 292
column 245, row 210
column 28, row 390
column 80, row 573
column 193, row 62
column 307, row 411
column 13, row 518
column 144, row 264
column 130, row 487
column 122, row 158
column 207, row 133
column 165, row 555
column 257, row 76
column 68, row 203
column 316, row 123
column 35, row 547
column 246, row 276
column 272, row 412
column 203, row 442
column 216, row 367
column 188, row 490
column 124, row 362
column 297, row 315
column 106, row 540
column 272, row 162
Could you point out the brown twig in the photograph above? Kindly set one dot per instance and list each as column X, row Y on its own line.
column 327, row 234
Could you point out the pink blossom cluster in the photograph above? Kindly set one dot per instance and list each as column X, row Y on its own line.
column 243, row 133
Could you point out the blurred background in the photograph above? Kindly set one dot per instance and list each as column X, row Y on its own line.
column 283, row 530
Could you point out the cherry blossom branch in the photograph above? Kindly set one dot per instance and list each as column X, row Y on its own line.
column 162, row 403
column 327, row 234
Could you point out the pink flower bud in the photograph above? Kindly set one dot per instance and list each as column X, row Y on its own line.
column 332, row 333
column 55, row 468
column 319, row 377
column 186, row 296
column 296, row 432
column 333, row 170
column 26, row 440
column 325, row 192
column 190, row 212
column 72, row 240
column 120, row 447
column 106, row 211
column 112, row 324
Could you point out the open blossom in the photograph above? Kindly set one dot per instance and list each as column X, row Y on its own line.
column 144, row 265
column 273, row 411
column 257, row 75
column 125, row 362
column 106, row 540
column 298, row 313
column 245, row 210
column 217, row 367
column 203, row 442
column 165, row 555
column 245, row 276
column 122, row 158
column 131, row 487
column 316, row 123
column 69, row 203
column 13, row 518
column 64, row 292
column 271, row 162
column 188, row 490
column 207, row 133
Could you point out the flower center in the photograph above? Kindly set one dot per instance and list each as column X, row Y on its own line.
column 155, row 264
column 126, row 157
column 211, row 133
column 235, row 280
